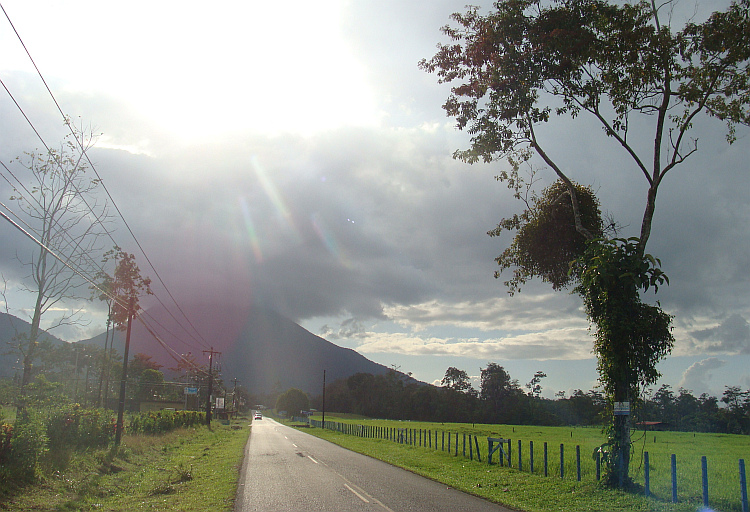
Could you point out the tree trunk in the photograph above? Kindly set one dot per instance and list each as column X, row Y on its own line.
column 620, row 462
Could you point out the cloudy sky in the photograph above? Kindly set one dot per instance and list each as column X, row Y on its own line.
column 292, row 152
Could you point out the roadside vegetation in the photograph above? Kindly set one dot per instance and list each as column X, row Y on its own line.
column 535, row 492
column 186, row 468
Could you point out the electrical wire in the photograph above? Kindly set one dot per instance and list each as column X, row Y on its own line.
column 173, row 353
column 84, row 152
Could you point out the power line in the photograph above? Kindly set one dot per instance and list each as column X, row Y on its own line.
column 93, row 168
column 179, row 357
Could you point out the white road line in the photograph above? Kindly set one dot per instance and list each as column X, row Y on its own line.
column 315, row 461
column 295, row 445
column 358, row 495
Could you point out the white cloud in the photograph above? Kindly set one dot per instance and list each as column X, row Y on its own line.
column 696, row 378
column 558, row 344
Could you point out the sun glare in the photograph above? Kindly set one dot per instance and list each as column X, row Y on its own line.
column 199, row 70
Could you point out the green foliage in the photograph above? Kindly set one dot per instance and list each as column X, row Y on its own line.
column 630, row 336
column 28, row 445
column 42, row 394
column 75, row 427
column 600, row 58
column 160, row 422
column 6, row 434
column 547, row 239
column 293, row 401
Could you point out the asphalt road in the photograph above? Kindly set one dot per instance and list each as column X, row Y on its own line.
column 285, row 470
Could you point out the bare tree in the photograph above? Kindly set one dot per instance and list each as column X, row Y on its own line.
column 59, row 205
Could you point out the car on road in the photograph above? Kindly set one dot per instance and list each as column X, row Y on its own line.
column 258, row 416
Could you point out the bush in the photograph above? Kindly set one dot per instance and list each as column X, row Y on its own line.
column 75, row 427
column 29, row 443
column 6, row 433
column 159, row 422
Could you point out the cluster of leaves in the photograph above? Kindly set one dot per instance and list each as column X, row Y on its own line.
column 293, row 401
column 38, row 431
column 6, row 434
column 546, row 238
column 76, row 427
column 28, row 443
column 630, row 336
column 159, row 422
column 582, row 51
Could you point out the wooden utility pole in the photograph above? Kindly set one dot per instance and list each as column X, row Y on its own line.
column 211, row 354
column 123, row 380
column 324, row 399
column 234, row 397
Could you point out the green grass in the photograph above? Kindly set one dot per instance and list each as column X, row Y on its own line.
column 525, row 491
column 186, row 470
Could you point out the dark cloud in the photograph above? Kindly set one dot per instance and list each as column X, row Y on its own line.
column 731, row 336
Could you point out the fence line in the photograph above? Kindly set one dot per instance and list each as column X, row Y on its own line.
column 425, row 438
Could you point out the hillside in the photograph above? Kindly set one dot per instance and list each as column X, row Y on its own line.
column 262, row 349
column 10, row 327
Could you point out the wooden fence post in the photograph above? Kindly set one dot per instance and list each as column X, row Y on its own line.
column 546, row 473
column 578, row 462
column 476, row 443
column 520, row 458
column 647, row 474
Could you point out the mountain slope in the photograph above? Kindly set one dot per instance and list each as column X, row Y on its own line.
column 10, row 327
column 262, row 349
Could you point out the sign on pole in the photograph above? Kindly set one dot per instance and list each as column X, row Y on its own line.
column 622, row 408
column 191, row 391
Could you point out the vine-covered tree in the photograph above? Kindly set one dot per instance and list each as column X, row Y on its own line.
column 528, row 62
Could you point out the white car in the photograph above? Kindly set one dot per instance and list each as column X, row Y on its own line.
column 258, row 416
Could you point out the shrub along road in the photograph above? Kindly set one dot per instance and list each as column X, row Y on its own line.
column 285, row 469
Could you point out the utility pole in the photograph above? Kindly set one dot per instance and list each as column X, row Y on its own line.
column 234, row 397
column 211, row 354
column 123, row 381
column 324, row 399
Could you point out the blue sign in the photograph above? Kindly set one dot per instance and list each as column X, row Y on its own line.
column 191, row 391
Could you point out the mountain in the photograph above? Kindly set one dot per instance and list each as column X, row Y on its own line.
column 10, row 327
column 262, row 349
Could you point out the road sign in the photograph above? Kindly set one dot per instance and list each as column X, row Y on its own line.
column 191, row 391
column 622, row 408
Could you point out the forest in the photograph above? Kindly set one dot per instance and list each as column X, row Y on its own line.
column 502, row 399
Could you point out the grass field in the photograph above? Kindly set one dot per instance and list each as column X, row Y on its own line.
column 552, row 492
column 187, row 470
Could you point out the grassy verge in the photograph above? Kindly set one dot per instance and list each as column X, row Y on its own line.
column 185, row 470
column 510, row 487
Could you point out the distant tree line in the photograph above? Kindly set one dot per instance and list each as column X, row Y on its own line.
column 502, row 399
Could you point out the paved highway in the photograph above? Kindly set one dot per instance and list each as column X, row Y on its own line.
column 285, row 469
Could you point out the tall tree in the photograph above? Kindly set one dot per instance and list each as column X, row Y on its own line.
column 127, row 287
column 457, row 380
column 529, row 61
column 62, row 210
